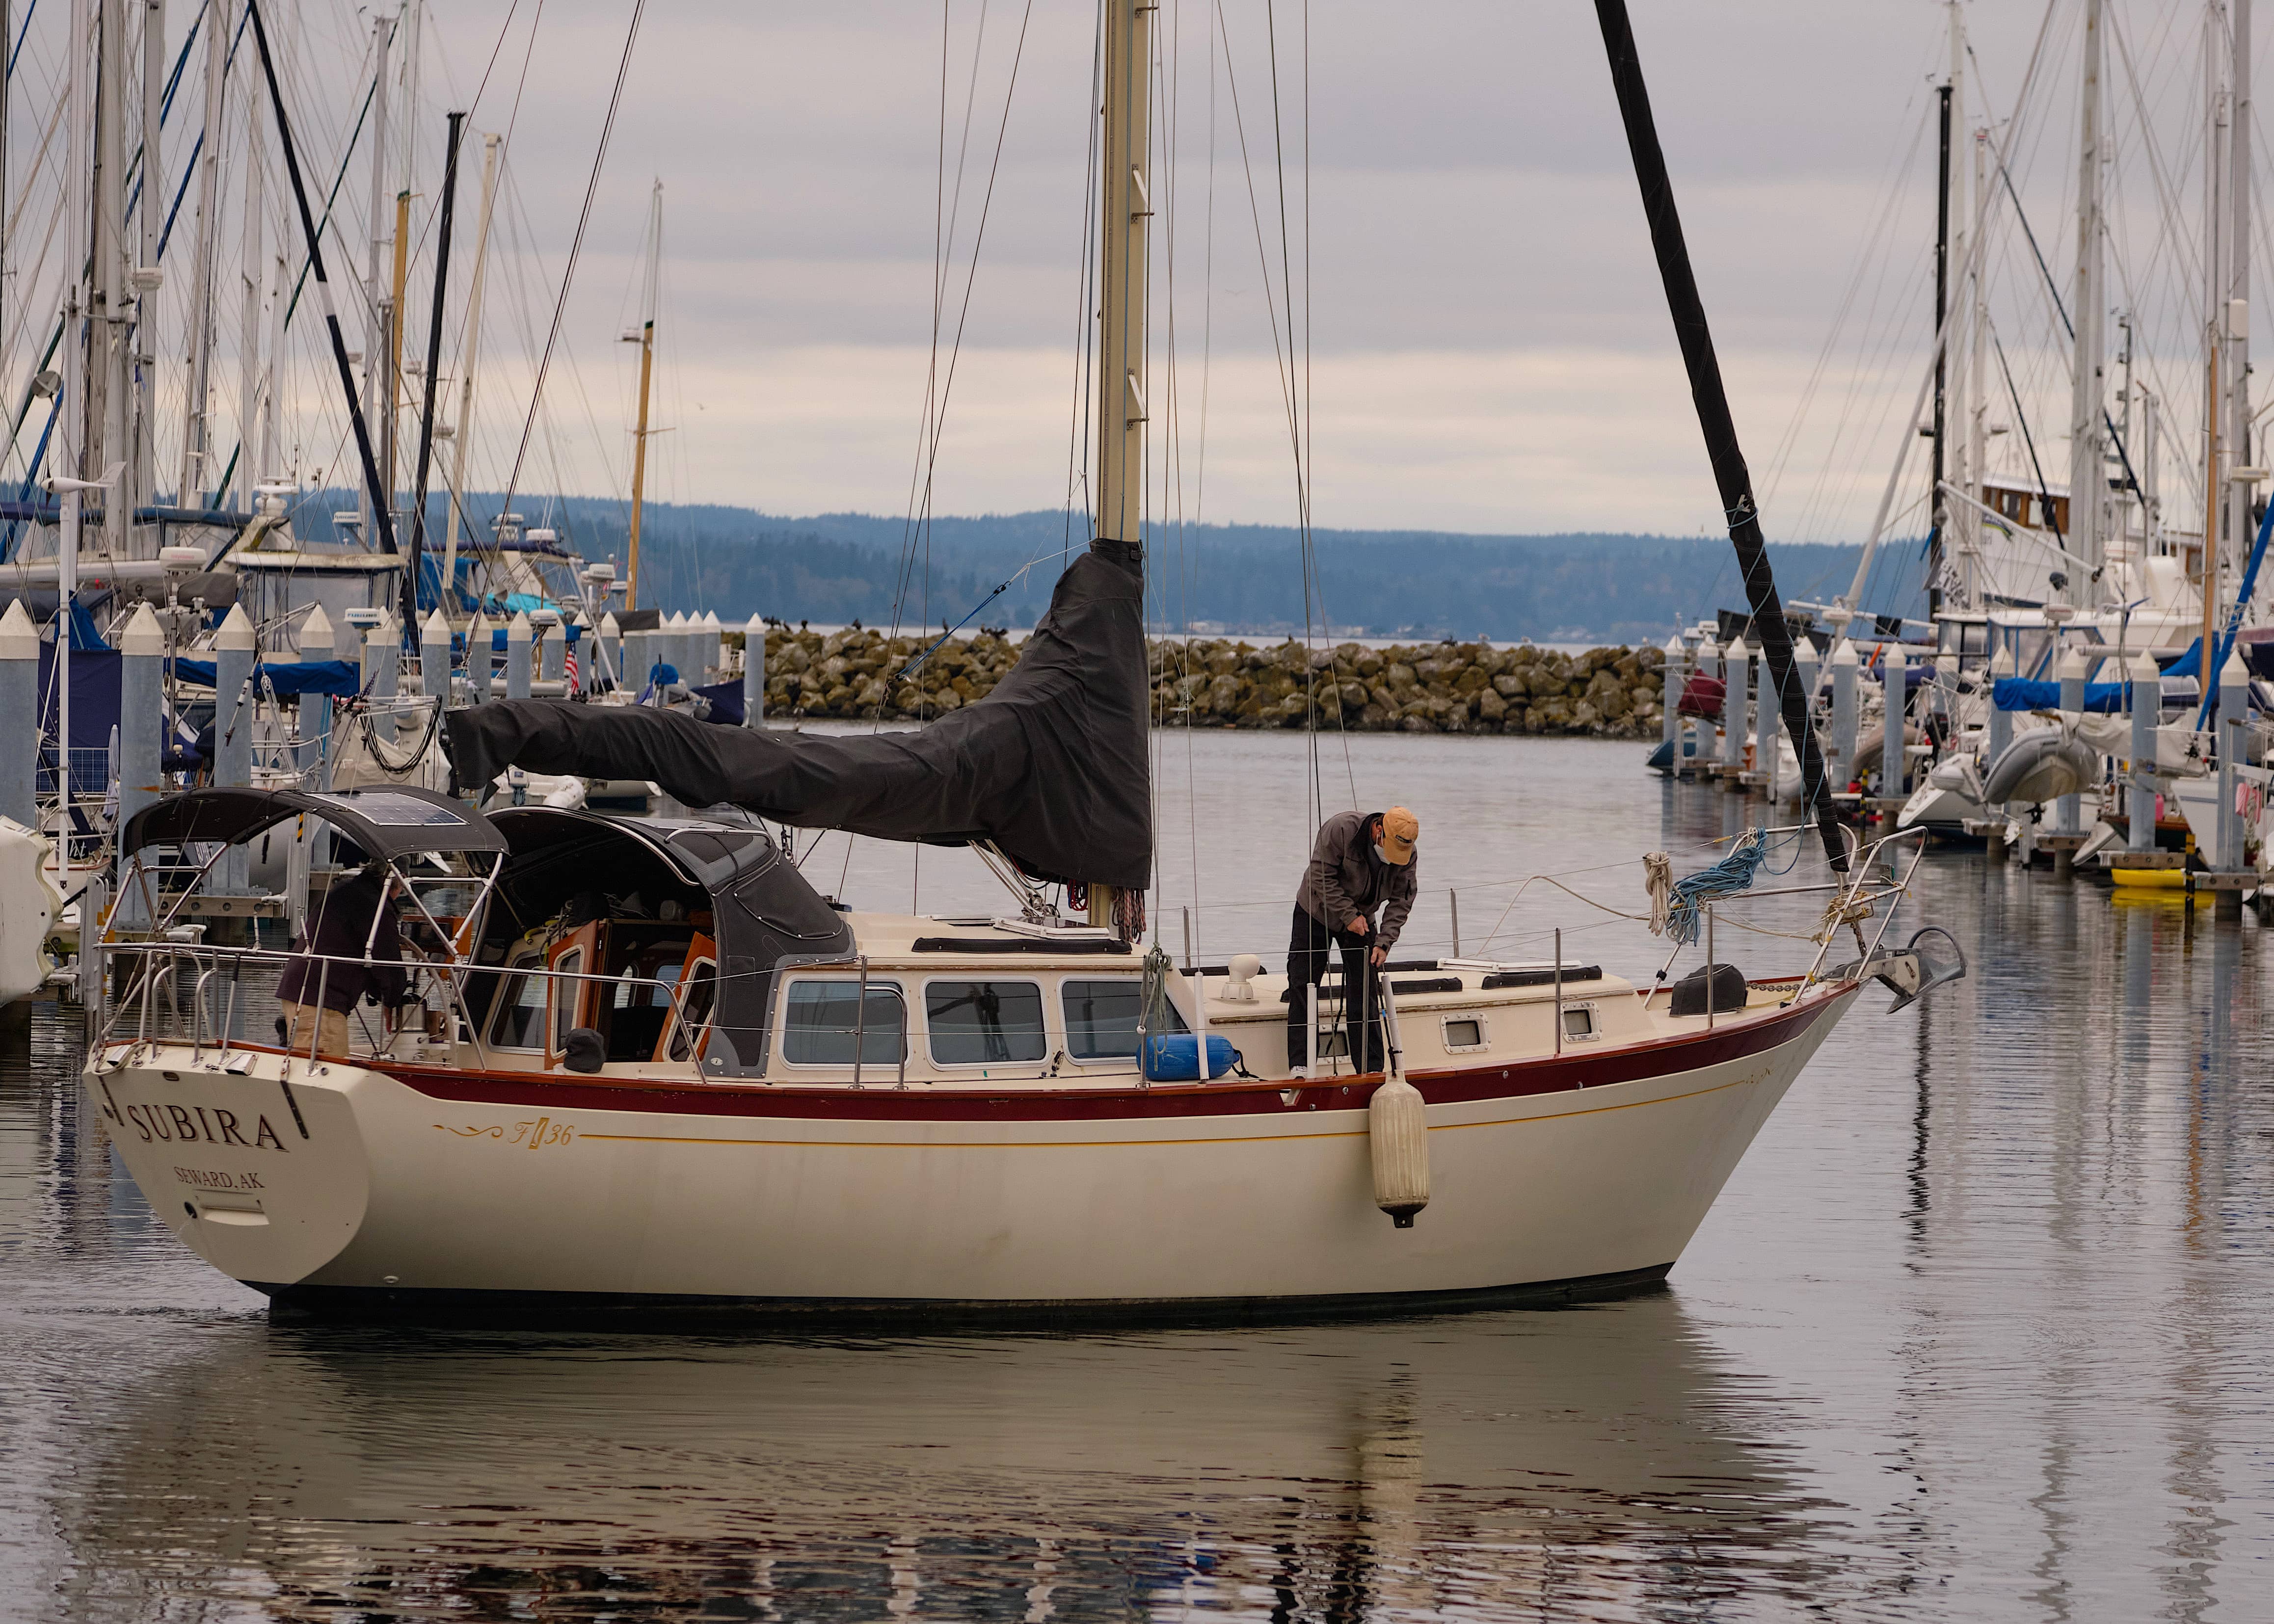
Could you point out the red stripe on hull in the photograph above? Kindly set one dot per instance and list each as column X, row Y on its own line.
column 1740, row 1038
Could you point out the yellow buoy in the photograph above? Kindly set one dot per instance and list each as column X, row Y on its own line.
column 2153, row 885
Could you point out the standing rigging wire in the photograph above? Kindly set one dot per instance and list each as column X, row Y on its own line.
column 936, row 414
column 576, row 244
column 943, row 247
column 1085, row 333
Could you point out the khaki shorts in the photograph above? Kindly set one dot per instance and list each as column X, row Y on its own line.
column 331, row 1029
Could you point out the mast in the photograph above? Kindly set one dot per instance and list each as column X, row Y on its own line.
column 197, row 415
column 390, row 430
column 1939, row 507
column 2216, row 135
column 2237, row 311
column 106, row 406
column 378, row 315
column 645, row 339
column 1963, row 525
column 465, row 425
column 434, row 365
column 1731, row 476
column 7, row 35
column 1125, row 210
column 2088, row 480
column 79, row 331
column 1125, row 219
column 141, row 484
column 1978, row 392
column 248, row 369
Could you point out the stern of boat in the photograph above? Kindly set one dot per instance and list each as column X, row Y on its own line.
column 253, row 1158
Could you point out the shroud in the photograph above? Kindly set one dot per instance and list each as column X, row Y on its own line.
column 1050, row 765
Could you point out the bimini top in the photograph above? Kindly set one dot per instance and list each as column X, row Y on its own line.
column 391, row 819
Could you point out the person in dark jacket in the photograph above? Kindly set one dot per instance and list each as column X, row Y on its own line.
column 353, row 923
column 1361, row 862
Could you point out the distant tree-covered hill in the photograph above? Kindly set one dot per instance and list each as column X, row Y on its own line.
column 837, row 567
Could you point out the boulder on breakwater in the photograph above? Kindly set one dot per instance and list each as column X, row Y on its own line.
column 1441, row 688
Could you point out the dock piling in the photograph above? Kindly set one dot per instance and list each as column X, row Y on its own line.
column 1845, row 719
column 517, row 655
column 2145, row 696
column 19, row 717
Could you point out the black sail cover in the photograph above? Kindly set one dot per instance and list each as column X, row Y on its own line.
column 1050, row 765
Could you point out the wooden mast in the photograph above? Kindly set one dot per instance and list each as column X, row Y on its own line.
column 1126, row 214
column 645, row 339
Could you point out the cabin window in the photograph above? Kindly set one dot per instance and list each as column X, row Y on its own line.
column 1578, row 1022
column 565, row 999
column 1463, row 1032
column 695, row 1009
column 821, row 1018
column 985, row 1023
column 520, row 1021
column 1101, row 1019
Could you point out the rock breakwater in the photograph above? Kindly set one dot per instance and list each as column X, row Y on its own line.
column 1451, row 688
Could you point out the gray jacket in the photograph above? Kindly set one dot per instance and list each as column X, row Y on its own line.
column 1344, row 879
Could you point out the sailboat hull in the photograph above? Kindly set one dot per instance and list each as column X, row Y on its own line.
column 403, row 1193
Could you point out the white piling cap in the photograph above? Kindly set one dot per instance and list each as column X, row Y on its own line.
column 1737, row 650
column 2073, row 663
column 608, row 626
column 142, row 635
column 437, row 629
column 1673, row 650
column 2235, row 672
column 1844, row 654
column 516, row 629
column 2001, row 664
column 710, row 621
column 2142, row 667
column 235, row 633
column 316, row 633
column 19, row 639
column 1707, row 650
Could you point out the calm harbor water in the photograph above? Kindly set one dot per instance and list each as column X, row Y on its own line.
column 1982, row 1329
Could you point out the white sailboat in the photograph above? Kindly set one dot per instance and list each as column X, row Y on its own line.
column 644, row 1067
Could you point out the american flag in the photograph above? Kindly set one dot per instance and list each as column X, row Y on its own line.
column 569, row 665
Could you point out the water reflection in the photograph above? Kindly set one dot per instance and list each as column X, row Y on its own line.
column 1513, row 1465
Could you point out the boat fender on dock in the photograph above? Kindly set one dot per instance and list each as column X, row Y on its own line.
column 1398, row 1126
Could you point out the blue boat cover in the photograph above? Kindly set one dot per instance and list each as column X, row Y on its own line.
column 338, row 678
column 2027, row 694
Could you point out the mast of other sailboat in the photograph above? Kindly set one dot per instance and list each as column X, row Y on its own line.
column 2088, row 477
column 645, row 339
column 465, row 426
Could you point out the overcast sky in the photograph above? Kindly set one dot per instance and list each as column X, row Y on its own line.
column 1488, row 347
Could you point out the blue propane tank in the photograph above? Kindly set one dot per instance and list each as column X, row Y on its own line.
column 1174, row 1057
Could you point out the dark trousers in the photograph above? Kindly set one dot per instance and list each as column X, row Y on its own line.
column 1308, row 944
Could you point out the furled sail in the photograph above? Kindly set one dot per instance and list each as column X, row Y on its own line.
column 1050, row 765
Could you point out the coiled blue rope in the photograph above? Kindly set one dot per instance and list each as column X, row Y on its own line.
column 1685, row 915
